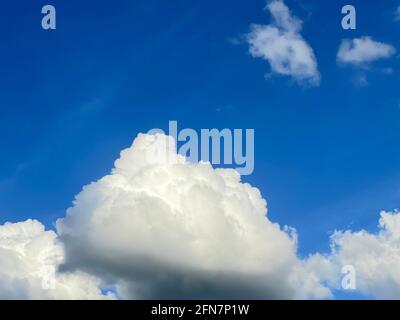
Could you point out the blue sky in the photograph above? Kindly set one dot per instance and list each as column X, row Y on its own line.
column 326, row 157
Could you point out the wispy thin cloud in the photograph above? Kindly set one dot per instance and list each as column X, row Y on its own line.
column 397, row 14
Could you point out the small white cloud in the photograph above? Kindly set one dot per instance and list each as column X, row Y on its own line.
column 362, row 51
column 281, row 44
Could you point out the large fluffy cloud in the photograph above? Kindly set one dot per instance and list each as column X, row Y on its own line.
column 282, row 45
column 29, row 259
column 161, row 227
column 364, row 50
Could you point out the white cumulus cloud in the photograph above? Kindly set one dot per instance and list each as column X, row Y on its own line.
column 29, row 261
column 281, row 44
column 375, row 257
column 364, row 50
column 161, row 227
